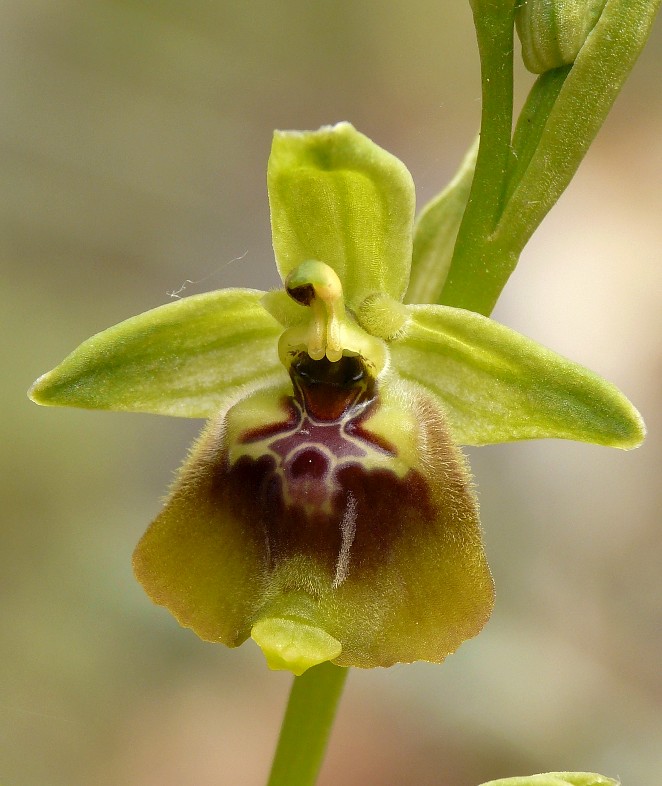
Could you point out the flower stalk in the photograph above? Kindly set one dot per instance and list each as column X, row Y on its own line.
column 307, row 725
column 477, row 267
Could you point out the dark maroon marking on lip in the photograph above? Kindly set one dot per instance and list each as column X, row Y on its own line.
column 307, row 478
column 297, row 494
column 271, row 429
column 302, row 444
column 386, row 508
column 328, row 434
column 309, row 463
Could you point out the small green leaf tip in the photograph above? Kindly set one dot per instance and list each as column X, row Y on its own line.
column 557, row 779
column 327, row 510
column 294, row 645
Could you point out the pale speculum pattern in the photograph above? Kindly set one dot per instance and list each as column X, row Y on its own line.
column 323, row 433
column 298, row 469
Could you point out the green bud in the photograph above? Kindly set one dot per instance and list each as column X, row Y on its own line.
column 557, row 779
column 553, row 31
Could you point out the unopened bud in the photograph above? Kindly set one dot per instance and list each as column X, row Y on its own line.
column 557, row 779
column 553, row 31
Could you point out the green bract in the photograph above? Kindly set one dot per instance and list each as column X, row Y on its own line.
column 326, row 510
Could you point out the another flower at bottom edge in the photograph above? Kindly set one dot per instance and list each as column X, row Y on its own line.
column 327, row 511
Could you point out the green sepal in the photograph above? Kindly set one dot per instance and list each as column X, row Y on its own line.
column 337, row 197
column 435, row 232
column 185, row 358
column 498, row 386
column 556, row 779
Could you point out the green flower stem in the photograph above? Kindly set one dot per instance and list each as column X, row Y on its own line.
column 531, row 123
column 475, row 266
column 482, row 265
column 306, row 726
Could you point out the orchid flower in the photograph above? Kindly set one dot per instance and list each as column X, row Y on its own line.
column 327, row 510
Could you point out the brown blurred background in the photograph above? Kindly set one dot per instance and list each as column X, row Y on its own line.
column 134, row 142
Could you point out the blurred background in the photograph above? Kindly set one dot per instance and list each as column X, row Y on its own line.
column 134, row 140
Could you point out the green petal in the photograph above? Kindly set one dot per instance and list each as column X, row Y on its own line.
column 556, row 779
column 338, row 198
column 435, row 233
column 184, row 358
column 498, row 386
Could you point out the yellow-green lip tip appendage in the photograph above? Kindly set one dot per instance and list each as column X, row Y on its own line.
column 292, row 645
